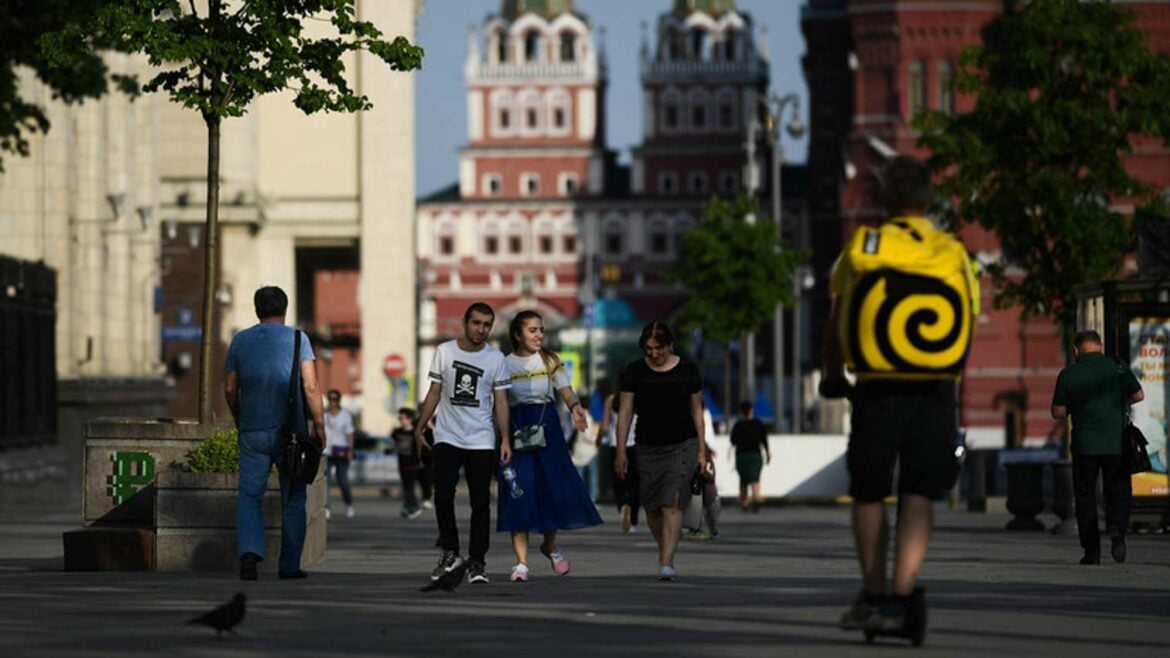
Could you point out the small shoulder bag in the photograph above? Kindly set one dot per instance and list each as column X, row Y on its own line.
column 302, row 455
column 1133, row 442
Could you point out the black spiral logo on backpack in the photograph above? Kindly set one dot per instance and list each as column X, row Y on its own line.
column 903, row 323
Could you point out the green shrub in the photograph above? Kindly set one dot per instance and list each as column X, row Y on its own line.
column 219, row 453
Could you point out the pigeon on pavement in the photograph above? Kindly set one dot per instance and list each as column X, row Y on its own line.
column 225, row 617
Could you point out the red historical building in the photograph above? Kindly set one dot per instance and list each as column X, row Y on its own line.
column 542, row 216
column 871, row 66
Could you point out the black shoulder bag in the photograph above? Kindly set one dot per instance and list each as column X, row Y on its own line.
column 1133, row 442
column 302, row 455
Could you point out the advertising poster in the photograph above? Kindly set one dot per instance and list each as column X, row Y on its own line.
column 1149, row 340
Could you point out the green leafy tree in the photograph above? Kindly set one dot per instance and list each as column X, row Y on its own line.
column 734, row 270
column 71, row 80
column 1064, row 89
column 217, row 56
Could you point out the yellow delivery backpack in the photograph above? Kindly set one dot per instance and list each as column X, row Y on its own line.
column 909, row 301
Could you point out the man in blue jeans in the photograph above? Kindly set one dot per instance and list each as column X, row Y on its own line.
column 256, row 383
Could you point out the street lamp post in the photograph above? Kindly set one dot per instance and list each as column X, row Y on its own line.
column 795, row 128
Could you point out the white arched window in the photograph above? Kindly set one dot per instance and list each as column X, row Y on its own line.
column 729, row 47
column 698, row 111
column 545, row 233
column 568, row 46
column 726, row 110
column 658, row 237
column 533, row 46
column 531, row 108
column 446, row 235
column 502, row 109
column 514, row 240
column 529, row 183
column 613, row 239
column 560, row 112
column 499, row 45
column 671, row 108
column 490, row 245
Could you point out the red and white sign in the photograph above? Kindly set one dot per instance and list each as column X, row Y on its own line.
column 394, row 366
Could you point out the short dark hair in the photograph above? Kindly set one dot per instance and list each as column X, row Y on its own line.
column 270, row 301
column 478, row 307
column 657, row 330
column 745, row 408
column 1087, row 336
column 406, row 411
column 333, row 393
column 906, row 186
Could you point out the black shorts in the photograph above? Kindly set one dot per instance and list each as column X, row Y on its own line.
column 912, row 423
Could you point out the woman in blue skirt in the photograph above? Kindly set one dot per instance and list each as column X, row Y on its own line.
column 540, row 490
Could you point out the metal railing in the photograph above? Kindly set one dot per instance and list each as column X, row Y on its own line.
column 28, row 371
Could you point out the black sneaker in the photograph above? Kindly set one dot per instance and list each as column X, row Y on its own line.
column 248, row 566
column 475, row 573
column 1118, row 549
column 863, row 614
column 448, row 562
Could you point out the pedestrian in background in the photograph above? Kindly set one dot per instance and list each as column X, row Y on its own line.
column 339, row 451
column 1097, row 391
column 256, row 385
column 666, row 393
column 541, row 491
column 408, row 463
column 469, row 383
column 705, row 506
column 750, row 437
column 626, row 491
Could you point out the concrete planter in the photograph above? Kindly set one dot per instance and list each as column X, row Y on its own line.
column 141, row 512
column 195, row 522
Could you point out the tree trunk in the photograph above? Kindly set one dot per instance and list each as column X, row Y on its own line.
column 210, row 251
column 727, row 406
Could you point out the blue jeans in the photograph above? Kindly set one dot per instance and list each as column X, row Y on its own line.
column 258, row 451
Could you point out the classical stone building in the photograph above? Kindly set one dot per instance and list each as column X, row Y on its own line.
column 871, row 66
column 542, row 216
column 306, row 202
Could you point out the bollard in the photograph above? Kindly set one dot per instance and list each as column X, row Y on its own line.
column 1025, row 497
column 1062, row 498
column 977, row 474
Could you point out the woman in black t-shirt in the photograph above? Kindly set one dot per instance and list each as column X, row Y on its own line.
column 665, row 391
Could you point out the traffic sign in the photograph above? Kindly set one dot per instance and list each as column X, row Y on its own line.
column 394, row 366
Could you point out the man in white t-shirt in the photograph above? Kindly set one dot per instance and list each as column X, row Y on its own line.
column 339, row 438
column 469, row 383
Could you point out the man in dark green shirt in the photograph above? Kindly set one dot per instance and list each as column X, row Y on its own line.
column 1097, row 391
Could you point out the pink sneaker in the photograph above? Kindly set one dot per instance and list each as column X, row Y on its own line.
column 560, row 563
column 520, row 573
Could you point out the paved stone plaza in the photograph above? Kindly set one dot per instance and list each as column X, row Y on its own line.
column 773, row 584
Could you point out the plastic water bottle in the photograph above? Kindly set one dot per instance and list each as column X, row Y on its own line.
column 513, row 488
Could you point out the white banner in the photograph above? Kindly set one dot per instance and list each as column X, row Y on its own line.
column 1149, row 339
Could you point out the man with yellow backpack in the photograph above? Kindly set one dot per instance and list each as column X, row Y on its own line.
column 906, row 296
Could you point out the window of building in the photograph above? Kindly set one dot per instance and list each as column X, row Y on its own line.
column 670, row 115
column 667, row 182
column 567, row 183
column 446, row 245
column 730, row 45
column 698, row 117
column 569, row 244
column 728, row 182
column 491, row 245
column 505, row 119
column 726, row 116
column 530, row 183
column 559, row 117
column 568, row 47
column 697, row 182
column 946, row 95
column 533, row 117
column 613, row 240
column 501, row 46
column 698, row 43
column 917, row 88
column 659, row 238
column 515, row 244
column 675, row 45
column 493, row 184
column 532, row 46
column 546, row 244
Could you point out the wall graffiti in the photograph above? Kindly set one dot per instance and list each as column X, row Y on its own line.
column 132, row 471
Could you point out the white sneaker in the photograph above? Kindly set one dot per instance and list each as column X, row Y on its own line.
column 519, row 573
column 326, row 513
column 667, row 573
column 426, row 504
column 349, row 512
column 633, row 530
